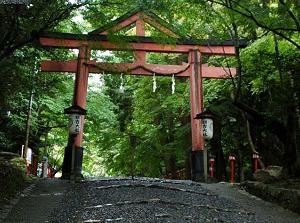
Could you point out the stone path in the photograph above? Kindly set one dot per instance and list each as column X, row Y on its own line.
column 37, row 201
column 142, row 200
column 268, row 212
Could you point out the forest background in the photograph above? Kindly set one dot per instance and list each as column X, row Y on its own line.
column 139, row 132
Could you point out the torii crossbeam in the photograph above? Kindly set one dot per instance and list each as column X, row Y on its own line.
column 101, row 39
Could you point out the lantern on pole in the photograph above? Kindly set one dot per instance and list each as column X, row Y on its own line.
column 75, row 112
column 207, row 133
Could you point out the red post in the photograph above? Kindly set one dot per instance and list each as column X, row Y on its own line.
column 255, row 158
column 211, row 167
column 28, row 169
column 196, row 100
column 140, row 56
column 50, row 172
column 34, row 165
column 81, row 86
column 231, row 161
column 72, row 164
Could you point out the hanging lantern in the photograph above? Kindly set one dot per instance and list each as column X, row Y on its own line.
column 207, row 124
column 75, row 112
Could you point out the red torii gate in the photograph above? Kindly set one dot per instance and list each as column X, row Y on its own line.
column 140, row 45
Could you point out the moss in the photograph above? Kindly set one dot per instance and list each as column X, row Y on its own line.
column 13, row 177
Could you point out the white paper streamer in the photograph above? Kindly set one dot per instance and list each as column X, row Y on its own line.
column 154, row 83
column 122, row 88
column 173, row 84
column 102, row 77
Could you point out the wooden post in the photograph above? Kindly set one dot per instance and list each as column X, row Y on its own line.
column 255, row 158
column 72, row 165
column 140, row 56
column 196, row 99
column 231, row 164
column 81, row 86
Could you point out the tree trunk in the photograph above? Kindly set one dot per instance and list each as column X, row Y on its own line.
column 172, row 166
column 295, row 78
column 251, row 144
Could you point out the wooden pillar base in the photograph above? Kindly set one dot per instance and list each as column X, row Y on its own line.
column 78, row 156
column 67, row 173
column 67, row 163
column 197, row 165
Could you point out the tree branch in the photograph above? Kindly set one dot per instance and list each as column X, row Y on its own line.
column 251, row 17
column 291, row 14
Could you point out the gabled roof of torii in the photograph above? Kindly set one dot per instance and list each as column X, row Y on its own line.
column 132, row 17
column 176, row 43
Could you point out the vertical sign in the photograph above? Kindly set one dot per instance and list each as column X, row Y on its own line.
column 74, row 124
column 207, row 128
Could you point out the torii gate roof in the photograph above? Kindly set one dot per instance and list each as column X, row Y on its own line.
column 105, row 38
column 102, row 38
column 134, row 15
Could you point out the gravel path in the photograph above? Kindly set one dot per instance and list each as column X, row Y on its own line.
column 148, row 200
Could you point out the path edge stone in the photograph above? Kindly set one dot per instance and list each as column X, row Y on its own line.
column 6, row 209
column 287, row 198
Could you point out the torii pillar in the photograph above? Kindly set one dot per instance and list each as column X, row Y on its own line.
column 196, row 103
column 72, row 164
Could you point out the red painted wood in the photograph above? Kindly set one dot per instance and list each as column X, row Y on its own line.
column 140, row 56
column 122, row 24
column 137, row 69
column 59, row 66
column 139, row 16
column 148, row 47
column 140, row 27
column 159, row 27
column 196, row 100
column 80, row 88
column 217, row 72
column 255, row 158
